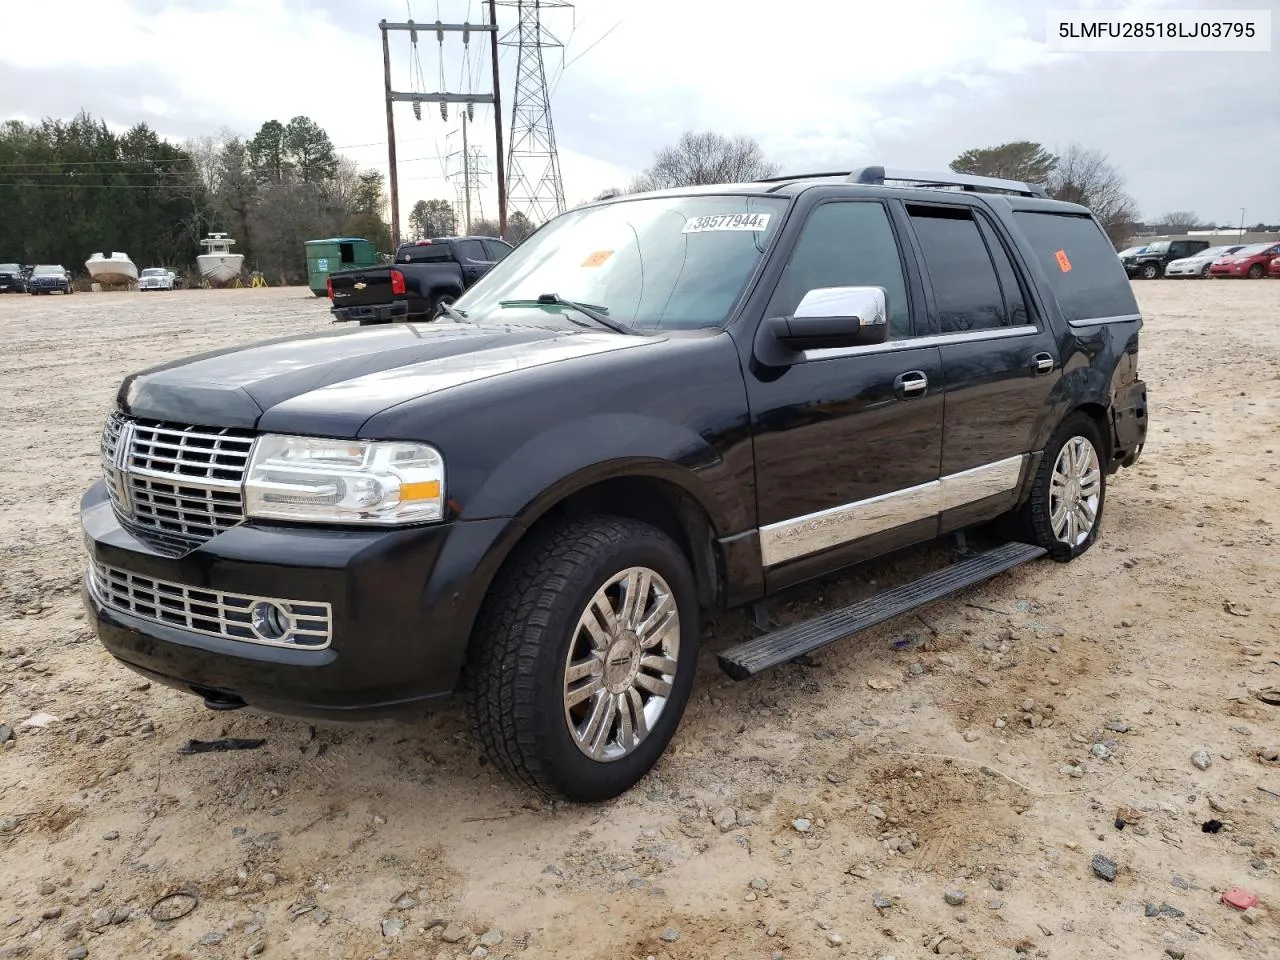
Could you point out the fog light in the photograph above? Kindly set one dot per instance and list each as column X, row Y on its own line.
column 269, row 620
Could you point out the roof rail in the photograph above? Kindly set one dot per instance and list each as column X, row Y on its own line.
column 877, row 175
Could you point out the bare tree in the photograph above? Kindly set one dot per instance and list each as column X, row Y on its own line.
column 705, row 158
column 1086, row 177
column 484, row 228
column 1180, row 221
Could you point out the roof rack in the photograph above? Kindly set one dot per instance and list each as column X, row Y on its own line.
column 877, row 175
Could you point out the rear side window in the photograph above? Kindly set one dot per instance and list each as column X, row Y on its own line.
column 472, row 250
column 424, row 253
column 1084, row 272
column 965, row 289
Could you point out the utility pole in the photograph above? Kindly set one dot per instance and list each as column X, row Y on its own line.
column 391, row 142
column 497, row 123
column 465, row 99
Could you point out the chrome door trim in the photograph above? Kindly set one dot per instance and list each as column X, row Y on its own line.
column 1094, row 321
column 911, row 343
column 800, row 536
column 970, row 486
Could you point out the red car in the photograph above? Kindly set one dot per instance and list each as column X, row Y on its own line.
column 1251, row 261
column 1275, row 267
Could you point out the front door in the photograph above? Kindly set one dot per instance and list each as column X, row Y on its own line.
column 847, row 441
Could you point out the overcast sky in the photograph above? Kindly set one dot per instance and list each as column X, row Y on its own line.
column 822, row 85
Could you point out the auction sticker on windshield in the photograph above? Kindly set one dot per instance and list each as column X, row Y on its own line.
column 728, row 221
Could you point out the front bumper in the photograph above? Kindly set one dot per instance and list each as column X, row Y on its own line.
column 376, row 313
column 402, row 604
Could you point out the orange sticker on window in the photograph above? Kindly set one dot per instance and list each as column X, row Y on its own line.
column 597, row 258
column 1063, row 263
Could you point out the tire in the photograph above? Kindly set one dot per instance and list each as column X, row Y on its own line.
column 1037, row 516
column 533, row 627
column 1255, row 272
column 1150, row 271
column 1204, row 273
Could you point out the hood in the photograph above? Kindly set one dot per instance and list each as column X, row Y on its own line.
column 330, row 384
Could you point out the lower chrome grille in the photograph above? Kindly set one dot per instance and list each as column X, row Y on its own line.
column 213, row 612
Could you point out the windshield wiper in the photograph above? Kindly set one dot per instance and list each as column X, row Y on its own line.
column 453, row 312
column 586, row 309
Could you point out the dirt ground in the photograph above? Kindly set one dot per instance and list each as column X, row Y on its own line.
column 976, row 753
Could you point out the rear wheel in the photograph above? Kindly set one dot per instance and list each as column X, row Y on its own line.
column 438, row 301
column 1069, row 490
column 584, row 657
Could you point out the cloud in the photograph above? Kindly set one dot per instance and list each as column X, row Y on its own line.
column 822, row 86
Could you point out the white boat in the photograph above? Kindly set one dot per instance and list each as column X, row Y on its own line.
column 115, row 270
column 218, row 264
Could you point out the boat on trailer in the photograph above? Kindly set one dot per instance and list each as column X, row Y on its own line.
column 116, row 270
column 218, row 264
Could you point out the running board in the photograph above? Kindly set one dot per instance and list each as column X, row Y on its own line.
column 752, row 656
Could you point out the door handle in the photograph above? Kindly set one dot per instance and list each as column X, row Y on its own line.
column 1042, row 362
column 910, row 384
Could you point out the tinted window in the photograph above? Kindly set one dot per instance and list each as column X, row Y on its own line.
column 472, row 250
column 424, row 253
column 9, row 268
column 965, row 290
column 1015, row 302
column 1080, row 263
column 497, row 249
column 846, row 244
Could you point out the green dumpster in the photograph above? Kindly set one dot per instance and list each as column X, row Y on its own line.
column 337, row 253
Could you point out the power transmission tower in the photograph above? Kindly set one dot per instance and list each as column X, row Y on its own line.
column 534, row 186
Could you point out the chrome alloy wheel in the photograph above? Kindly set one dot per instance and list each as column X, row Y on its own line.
column 1075, row 490
column 621, row 664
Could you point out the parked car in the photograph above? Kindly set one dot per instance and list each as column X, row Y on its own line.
column 12, row 279
column 426, row 276
column 46, row 278
column 1150, row 261
column 1252, row 261
column 1274, row 269
column 658, row 404
column 1198, row 264
column 156, row 278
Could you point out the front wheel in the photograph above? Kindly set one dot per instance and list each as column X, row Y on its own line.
column 584, row 657
column 1255, row 272
column 1069, row 490
column 1150, row 271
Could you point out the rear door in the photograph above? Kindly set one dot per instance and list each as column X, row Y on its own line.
column 474, row 259
column 1000, row 360
column 847, row 441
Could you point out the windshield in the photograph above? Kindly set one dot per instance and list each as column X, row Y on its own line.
column 155, row 272
column 1214, row 252
column 9, row 268
column 1254, row 249
column 1158, row 247
column 45, row 270
column 1130, row 251
column 671, row 263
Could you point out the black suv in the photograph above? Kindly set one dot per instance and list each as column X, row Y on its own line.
column 12, row 278
column 1149, row 262
column 656, row 405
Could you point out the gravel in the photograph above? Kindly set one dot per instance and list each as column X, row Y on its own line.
column 955, row 897
column 669, row 935
column 1201, row 759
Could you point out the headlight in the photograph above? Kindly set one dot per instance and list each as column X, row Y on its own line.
column 344, row 481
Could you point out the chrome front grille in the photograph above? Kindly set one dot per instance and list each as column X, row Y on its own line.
column 212, row 612
column 174, row 485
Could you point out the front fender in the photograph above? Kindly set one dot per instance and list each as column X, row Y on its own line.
column 568, row 457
